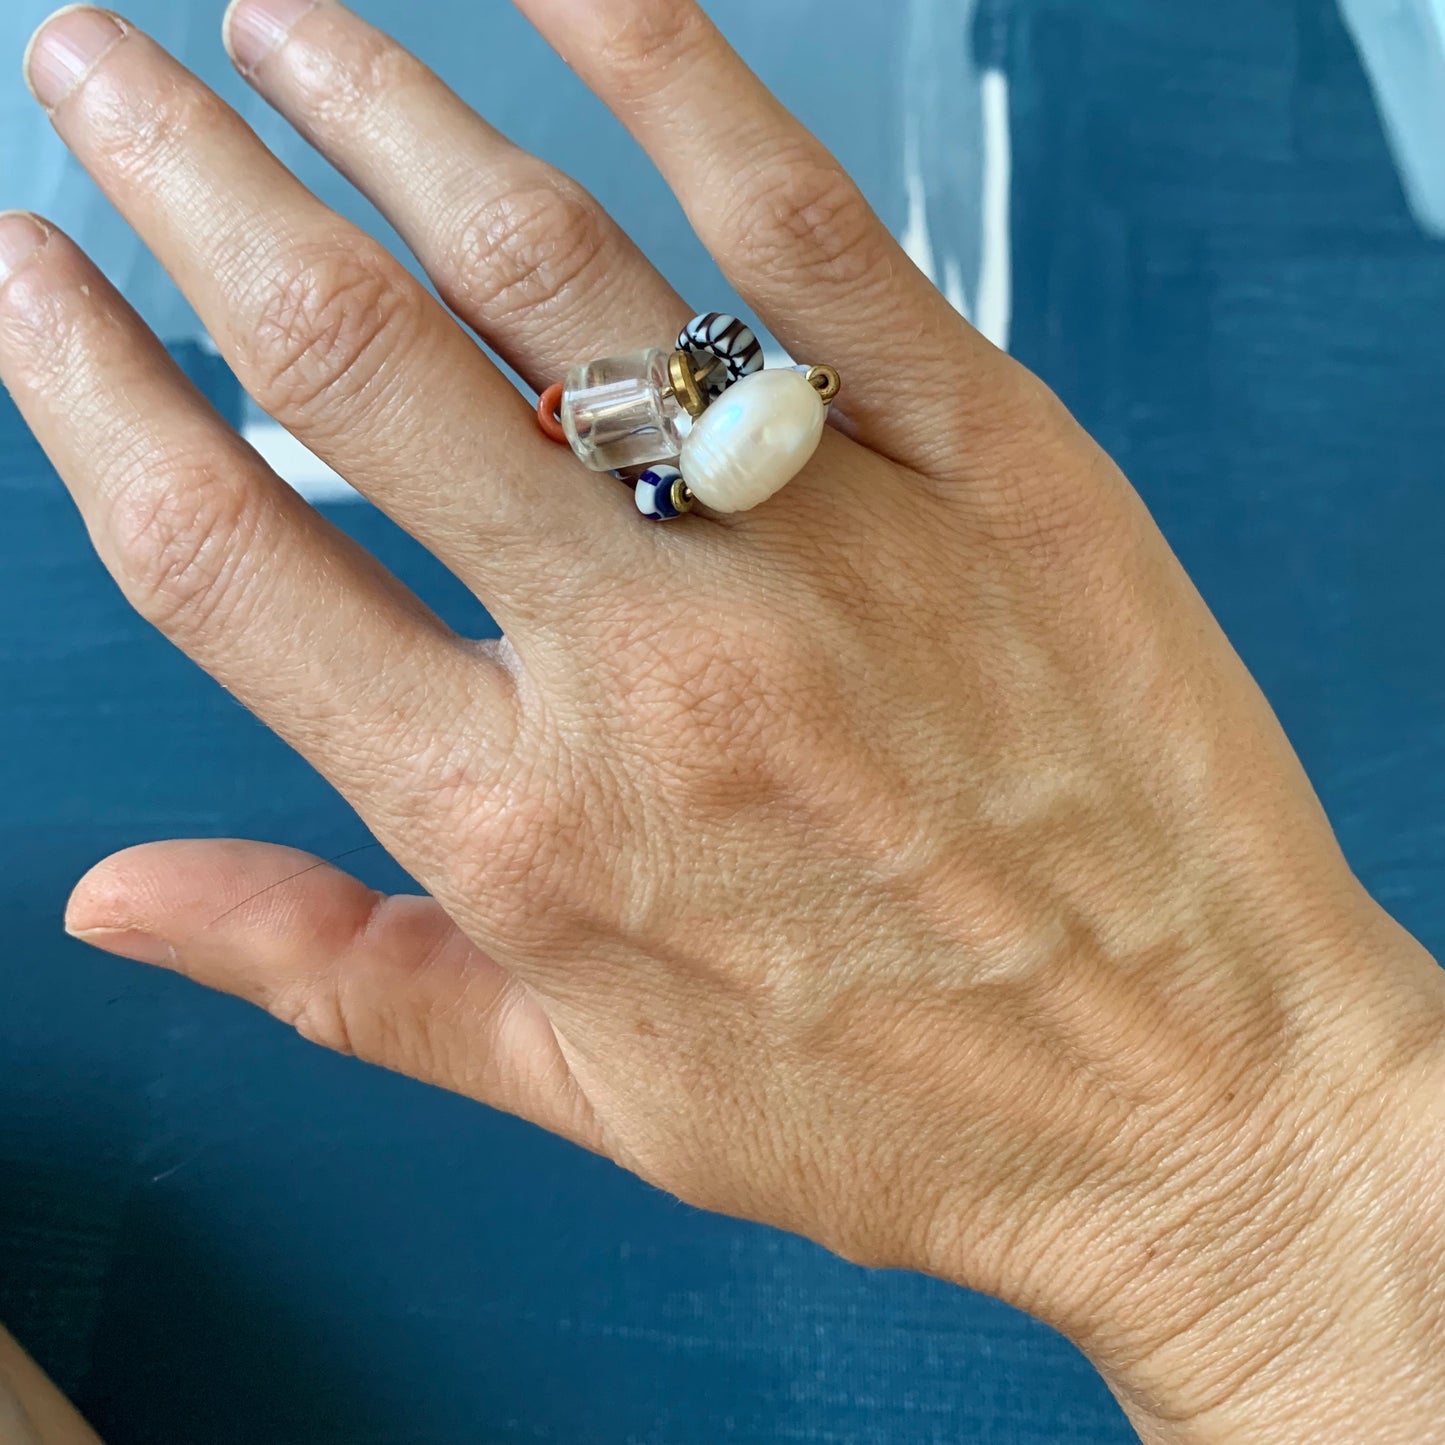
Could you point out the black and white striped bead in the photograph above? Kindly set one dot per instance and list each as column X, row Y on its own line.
column 655, row 493
column 729, row 341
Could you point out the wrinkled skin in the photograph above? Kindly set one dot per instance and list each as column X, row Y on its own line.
column 909, row 863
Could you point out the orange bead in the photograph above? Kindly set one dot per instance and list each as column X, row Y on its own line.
column 547, row 406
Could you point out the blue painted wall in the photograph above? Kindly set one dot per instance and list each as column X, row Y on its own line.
column 211, row 1232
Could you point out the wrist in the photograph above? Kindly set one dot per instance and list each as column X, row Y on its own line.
column 1244, row 1230
column 1298, row 1293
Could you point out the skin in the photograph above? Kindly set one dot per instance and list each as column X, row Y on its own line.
column 927, row 876
column 32, row 1411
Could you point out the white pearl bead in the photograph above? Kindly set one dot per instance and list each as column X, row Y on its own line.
column 753, row 440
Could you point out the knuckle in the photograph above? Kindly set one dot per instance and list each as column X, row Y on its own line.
column 1035, row 484
column 136, row 137
column 528, row 248
column 435, row 783
column 516, row 831
column 318, row 1009
column 324, row 324
column 345, row 80
column 706, row 689
column 1056, row 517
column 332, row 1004
column 182, row 532
column 648, row 34
column 708, row 700
column 805, row 215
column 1017, row 409
column 525, row 877
column 40, row 328
column 534, row 865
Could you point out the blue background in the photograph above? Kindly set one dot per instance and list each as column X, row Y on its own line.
column 211, row 1232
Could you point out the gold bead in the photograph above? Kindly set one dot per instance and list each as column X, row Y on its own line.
column 681, row 496
column 685, row 384
column 825, row 381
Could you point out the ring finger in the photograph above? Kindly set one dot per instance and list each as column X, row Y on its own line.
column 517, row 249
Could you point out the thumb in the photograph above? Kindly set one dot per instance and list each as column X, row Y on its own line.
column 389, row 978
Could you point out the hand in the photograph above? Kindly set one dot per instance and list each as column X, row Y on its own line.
column 909, row 863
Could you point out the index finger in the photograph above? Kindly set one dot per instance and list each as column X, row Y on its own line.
column 280, row 606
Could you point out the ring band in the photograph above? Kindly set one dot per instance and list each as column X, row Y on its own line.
column 703, row 422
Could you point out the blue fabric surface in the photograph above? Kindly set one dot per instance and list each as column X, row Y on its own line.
column 211, row 1232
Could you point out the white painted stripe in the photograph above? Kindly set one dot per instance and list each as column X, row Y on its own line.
column 917, row 239
column 293, row 463
column 986, row 298
column 995, row 272
column 1402, row 44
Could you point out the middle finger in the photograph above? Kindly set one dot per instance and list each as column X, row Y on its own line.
column 520, row 251
column 328, row 331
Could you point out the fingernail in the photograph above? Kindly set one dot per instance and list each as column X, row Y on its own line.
column 21, row 236
column 253, row 29
column 127, row 943
column 66, row 48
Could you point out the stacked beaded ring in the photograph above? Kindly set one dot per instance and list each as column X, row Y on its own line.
column 704, row 422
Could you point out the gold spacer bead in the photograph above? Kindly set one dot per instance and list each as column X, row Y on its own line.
column 825, row 381
column 685, row 384
column 682, row 497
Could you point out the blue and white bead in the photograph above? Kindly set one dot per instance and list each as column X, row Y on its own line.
column 657, row 494
column 727, row 340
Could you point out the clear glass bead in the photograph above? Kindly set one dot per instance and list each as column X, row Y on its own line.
column 619, row 411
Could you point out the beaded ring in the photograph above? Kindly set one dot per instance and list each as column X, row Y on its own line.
column 702, row 423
